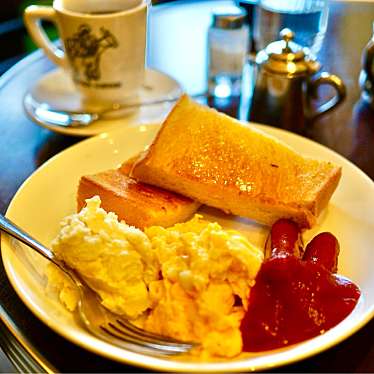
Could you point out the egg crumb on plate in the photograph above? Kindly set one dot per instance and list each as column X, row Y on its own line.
column 190, row 281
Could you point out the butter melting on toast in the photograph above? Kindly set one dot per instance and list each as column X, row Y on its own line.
column 221, row 162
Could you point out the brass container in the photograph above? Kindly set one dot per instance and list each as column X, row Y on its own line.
column 286, row 86
column 367, row 72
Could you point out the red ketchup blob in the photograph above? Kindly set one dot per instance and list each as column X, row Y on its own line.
column 294, row 300
column 324, row 250
column 285, row 236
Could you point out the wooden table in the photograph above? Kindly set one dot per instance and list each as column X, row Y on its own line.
column 178, row 47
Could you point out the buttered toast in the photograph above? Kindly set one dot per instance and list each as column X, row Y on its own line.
column 219, row 161
column 138, row 204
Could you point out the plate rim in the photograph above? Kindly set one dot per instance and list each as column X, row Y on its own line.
column 166, row 364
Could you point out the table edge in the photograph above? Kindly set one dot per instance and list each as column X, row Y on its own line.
column 16, row 343
column 18, row 349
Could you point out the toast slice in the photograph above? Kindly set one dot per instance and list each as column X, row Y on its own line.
column 221, row 162
column 136, row 203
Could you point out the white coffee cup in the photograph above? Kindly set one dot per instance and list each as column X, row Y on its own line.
column 104, row 46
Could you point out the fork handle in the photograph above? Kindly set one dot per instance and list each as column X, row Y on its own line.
column 13, row 230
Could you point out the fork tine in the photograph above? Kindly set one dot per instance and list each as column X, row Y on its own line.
column 130, row 345
column 159, row 348
column 130, row 327
column 105, row 324
column 150, row 339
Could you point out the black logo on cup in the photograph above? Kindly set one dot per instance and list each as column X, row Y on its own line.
column 84, row 49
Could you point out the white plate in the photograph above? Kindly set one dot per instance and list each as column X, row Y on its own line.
column 49, row 195
column 57, row 91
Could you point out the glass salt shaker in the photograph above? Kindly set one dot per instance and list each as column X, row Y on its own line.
column 228, row 43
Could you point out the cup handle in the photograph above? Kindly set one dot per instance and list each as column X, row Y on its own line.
column 332, row 80
column 32, row 16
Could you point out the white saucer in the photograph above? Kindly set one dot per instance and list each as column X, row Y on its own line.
column 56, row 90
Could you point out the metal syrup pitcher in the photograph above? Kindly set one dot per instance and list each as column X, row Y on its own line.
column 286, row 86
column 367, row 72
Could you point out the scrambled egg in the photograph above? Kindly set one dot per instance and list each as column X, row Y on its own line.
column 115, row 259
column 190, row 281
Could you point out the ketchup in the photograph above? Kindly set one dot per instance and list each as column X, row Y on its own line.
column 294, row 300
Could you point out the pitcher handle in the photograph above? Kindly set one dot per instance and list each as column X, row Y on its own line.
column 368, row 59
column 336, row 83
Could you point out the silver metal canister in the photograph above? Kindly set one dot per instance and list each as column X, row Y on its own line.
column 286, row 84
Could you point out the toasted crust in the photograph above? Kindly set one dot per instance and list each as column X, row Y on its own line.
column 213, row 158
column 128, row 165
column 136, row 203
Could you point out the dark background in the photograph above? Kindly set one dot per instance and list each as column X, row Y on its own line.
column 14, row 41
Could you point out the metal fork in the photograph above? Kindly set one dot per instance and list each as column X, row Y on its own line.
column 98, row 320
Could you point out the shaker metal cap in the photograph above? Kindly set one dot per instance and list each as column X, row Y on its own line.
column 286, row 57
column 228, row 17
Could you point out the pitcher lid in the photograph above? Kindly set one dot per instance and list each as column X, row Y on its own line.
column 287, row 57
